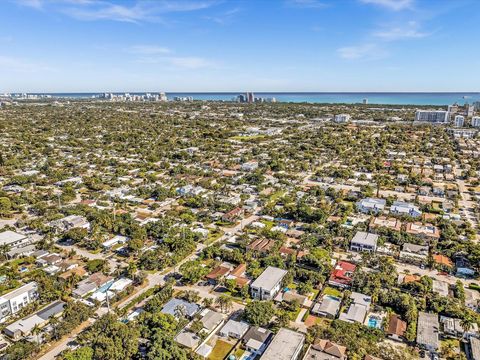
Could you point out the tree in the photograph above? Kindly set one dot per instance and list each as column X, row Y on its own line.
column 190, row 296
column 132, row 270
column 4, row 249
column 259, row 313
column 111, row 339
column 207, row 302
column 193, row 271
column 36, row 331
column 82, row 353
column 5, row 206
column 196, row 326
column 225, row 302
column 467, row 323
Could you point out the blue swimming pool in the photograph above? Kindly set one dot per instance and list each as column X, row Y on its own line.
column 374, row 323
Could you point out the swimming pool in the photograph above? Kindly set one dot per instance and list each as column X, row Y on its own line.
column 374, row 323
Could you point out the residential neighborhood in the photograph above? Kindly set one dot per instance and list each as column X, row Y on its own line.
column 180, row 230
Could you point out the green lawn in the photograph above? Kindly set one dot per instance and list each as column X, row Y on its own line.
column 221, row 349
column 332, row 292
column 247, row 138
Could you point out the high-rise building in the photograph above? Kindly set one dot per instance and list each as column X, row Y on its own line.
column 470, row 110
column 342, row 118
column 476, row 121
column 433, row 116
column 459, row 121
column 162, row 97
column 365, row 101
column 250, row 97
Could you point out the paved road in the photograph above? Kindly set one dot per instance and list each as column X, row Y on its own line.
column 466, row 203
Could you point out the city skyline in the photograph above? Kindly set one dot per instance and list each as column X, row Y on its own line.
column 227, row 46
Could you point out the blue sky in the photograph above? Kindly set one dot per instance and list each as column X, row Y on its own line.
column 237, row 45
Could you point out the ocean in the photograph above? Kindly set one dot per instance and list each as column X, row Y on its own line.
column 380, row 98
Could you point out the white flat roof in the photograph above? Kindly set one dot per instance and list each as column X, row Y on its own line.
column 269, row 278
column 9, row 237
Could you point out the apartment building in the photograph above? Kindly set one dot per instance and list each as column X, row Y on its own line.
column 268, row 284
column 13, row 301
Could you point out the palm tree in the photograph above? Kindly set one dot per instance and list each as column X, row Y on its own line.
column 207, row 302
column 225, row 302
column 36, row 332
column 4, row 249
column 467, row 323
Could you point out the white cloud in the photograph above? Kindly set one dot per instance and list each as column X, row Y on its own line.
column 365, row 51
column 113, row 12
column 138, row 11
column 408, row 31
column 316, row 4
column 36, row 4
column 148, row 50
column 225, row 17
column 395, row 5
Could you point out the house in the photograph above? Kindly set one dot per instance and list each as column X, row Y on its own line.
column 204, row 350
column 463, row 267
column 13, row 239
column 187, row 339
column 427, row 232
column 328, row 307
column 371, row 205
column 342, row 274
column 238, row 274
column 256, row 339
column 92, row 283
column 358, row 308
column 363, row 241
column 473, row 349
column 176, row 306
column 211, row 320
column 440, row 287
column 26, row 250
column 325, row 350
column 442, row 261
column 384, row 222
column 117, row 239
column 261, row 245
column 396, row 328
column 217, row 274
column 234, row 329
column 50, row 259
column 268, row 284
column 412, row 253
column 427, row 331
column 404, row 208
column 249, row 166
column 71, row 222
column 24, row 327
column 453, row 327
column 13, row 301
column 233, row 215
column 286, row 345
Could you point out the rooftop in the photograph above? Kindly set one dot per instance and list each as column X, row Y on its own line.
column 269, row 278
column 284, row 345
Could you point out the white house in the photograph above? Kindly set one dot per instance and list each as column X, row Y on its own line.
column 371, row 205
column 363, row 241
column 268, row 284
column 13, row 301
column 404, row 208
